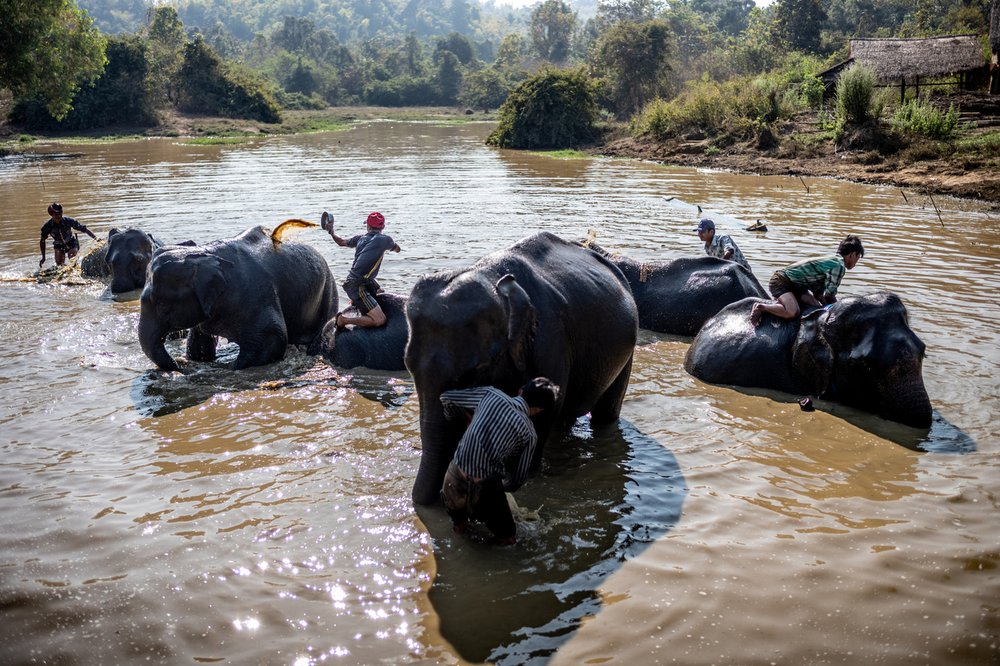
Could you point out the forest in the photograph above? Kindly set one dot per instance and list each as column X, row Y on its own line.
column 662, row 67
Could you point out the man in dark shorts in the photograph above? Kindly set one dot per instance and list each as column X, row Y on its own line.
column 810, row 283
column 495, row 452
column 64, row 241
column 360, row 284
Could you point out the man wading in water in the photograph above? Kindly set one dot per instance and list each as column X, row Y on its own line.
column 494, row 454
column 360, row 284
column 64, row 241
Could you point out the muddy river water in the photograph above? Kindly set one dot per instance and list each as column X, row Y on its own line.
column 264, row 516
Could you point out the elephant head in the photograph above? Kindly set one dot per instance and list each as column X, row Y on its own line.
column 465, row 330
column 128, row 257
column 183, row 290
column 862, row 352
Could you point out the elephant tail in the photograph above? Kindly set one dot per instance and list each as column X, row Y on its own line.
column 279, row 232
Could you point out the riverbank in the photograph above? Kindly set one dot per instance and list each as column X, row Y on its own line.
column 967, row 166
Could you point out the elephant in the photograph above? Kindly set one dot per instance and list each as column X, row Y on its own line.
column 380, row 348
column 254, row 290
column 542, row 307
column 124, row 258
column 859, row 351
column 677, row 296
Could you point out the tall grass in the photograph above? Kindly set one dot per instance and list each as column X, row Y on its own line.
column 856, row 99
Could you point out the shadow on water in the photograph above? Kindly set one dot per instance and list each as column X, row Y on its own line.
column 942, row 437
column 601, row 499
column 158, row 393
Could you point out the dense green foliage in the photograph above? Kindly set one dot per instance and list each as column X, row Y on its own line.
column 921, row 117
column 208, row 86
column 661, row 59
column 553, row 109
column 48, row 50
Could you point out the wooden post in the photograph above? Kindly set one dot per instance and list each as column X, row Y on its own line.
column 902, row 90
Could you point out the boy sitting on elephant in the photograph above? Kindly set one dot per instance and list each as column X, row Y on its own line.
column 810, row 283
column 495, row 453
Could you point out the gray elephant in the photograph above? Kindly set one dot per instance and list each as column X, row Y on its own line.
column 254, row 290
column 860, row 351
column 94, row 264
column 678, row 296
column 380, row 348
column 543, row 307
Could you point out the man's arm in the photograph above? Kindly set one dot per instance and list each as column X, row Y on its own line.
column 517, row 469
column 729, row 248
column 81, row 227
column 461, row 399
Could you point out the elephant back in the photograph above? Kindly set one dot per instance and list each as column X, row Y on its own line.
column 730, row 350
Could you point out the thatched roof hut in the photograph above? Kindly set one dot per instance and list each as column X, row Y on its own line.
column 908, row 60
column 895, row 59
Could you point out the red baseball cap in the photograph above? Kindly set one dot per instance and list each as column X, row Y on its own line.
column 376, row 221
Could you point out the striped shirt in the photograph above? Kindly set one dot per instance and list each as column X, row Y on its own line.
column 500, row 440
column 718, row 246
column 821, row 275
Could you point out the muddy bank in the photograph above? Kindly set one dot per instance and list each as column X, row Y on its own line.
column 797, row 153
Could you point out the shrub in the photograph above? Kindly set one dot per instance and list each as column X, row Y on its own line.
column 553, row 109
column 856, row 100
column 922, row 117
column 656, row 120
column 210, row 86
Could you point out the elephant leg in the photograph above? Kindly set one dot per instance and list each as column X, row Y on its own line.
column 609, row 405
column 200, row 346
column 266, row 347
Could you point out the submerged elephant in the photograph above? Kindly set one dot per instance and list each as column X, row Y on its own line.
column 678, row 296
column 380, row 348
column 860, row 351
column 543, row 307
column 254, row 290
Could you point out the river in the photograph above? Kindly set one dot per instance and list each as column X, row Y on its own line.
column 264, row 516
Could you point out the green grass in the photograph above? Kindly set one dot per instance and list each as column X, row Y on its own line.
column 563, row 154
column 983, row 144
column 216, row 140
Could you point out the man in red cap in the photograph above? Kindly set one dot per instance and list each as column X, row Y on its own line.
column 64, row 241
column 360, row 284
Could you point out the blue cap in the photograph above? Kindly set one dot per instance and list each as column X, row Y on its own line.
column 705, row 225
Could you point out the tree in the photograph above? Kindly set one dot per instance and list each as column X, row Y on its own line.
column 119, row 97
column 633, row 59
column 295, row 34
column 511, row 51
column 610, row 12
column 208, row 86
column 729, row 16
column 48, row 48
column 798, row 23
column 485, row 89
column 165, row 47
column 552, row 26
column 449, row 76
column 553, row 109
column 459, row 45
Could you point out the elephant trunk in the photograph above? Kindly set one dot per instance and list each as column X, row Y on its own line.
column 910, row 406
column 439, row 439
column 151, row 337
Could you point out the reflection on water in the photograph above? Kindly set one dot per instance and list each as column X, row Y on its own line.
column 510, row 605
column 263, row 516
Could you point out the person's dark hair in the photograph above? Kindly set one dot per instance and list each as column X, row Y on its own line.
column 55, row 208
column 851, row 244
column 540, row 392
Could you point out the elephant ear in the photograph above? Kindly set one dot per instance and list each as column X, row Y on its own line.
column 812, row 356
column 209, row 280
column 114, row 231
column 520, row 320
